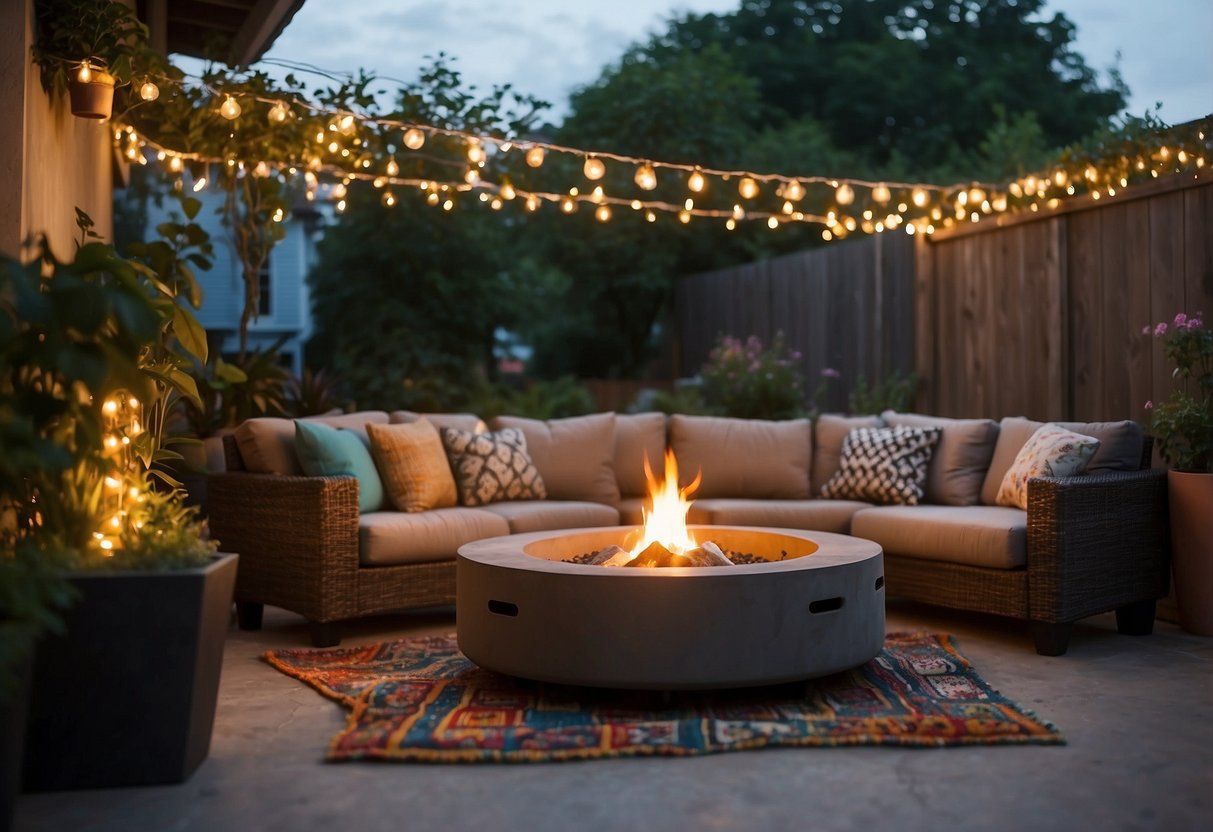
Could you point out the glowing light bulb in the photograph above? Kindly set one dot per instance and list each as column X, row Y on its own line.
column 414, row 138
column 448, row 205
column 110, row 407
column 535, row 156
column 200, row 184
column 472, row 177
column 85, row 74
column 999, row 202
column 149, row 91
column 844, row 194
column 278, row 113
column 603, row 213
column 341, row 206
column 881, row 194
column 793, row 191
column 496, row 204
column 689, row 204
column 649, row 216
column 475, row 152
column 389, row 199
column 532, row 203
column 646, row 177
column 772, row 223
column 977, row 196
column 432, row 199
column 113, row 482
column 684, row 217
column 747, row 187
column 738, row 212
column 175, row 164
column 568, row 205
column 696, row 182
column 339, row 190
column 593, row 168
column 507, row 191
column 230, row 108
column 1060, row 178
column 730, row 224
column 279, row 215
column 392, row 168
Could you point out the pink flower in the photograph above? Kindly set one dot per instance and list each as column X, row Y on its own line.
column 1160, row 330
column 830, row 372
column 1195, row 323
column 1180, row 320
column 1145, row 330
column 1150, row 405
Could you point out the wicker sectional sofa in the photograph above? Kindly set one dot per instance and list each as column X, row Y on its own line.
column 1085, row 545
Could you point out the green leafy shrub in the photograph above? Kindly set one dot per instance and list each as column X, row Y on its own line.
column 895, row 392
column 746, row 380
column 1183, row 424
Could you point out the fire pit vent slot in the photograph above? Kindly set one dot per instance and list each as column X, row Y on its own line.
column 880, row 583
column 826, row 605
column 503, row 608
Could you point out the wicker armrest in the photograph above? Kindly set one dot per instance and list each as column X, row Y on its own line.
column 1096, row 542
column 297, row 538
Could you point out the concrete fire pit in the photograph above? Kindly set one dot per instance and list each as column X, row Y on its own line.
column 818, row 610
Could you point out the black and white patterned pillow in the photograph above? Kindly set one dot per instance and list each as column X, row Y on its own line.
column 490, row 467
column 884, row 465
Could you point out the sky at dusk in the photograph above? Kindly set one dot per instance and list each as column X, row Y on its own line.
column 550, row 47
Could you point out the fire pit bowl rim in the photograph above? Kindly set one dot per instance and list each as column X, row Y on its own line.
column 507, row 551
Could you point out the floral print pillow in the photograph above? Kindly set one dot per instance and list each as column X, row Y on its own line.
column 1052, row 451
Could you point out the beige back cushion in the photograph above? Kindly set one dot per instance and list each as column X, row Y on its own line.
column 575, row 456
column 829, row 433
column 1120, row 448
column 459, row 421
column 638, row 435
column 267, row 443
column 413, row 464
column 960, row 460
column 751, row 458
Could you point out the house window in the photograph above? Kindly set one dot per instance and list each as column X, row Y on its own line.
column 265, row 302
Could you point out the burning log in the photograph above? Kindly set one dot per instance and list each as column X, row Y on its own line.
column 657, row 556
column 708, row 554
column 610, row 556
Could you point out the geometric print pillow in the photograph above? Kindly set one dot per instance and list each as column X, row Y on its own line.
column 490, row 467
column 1052, row 451
column 886, row 466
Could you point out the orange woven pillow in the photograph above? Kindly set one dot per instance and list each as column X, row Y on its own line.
column 413, row 465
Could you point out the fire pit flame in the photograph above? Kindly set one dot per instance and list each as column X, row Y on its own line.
column 666, row 524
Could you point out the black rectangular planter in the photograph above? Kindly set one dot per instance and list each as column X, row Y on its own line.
column 128, row 697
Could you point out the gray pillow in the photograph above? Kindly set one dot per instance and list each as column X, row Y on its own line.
column 961, row 459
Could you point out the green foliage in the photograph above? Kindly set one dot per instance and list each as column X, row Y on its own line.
column 749, row 381
column 687, row 400
column 894, row 392
column 556, row 399
column 1183, row 424
column 313, row 393
column 166, row 535
column 69, row 32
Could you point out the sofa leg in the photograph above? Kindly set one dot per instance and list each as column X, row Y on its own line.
column 248, row 615
column 1051, row 639
column 325, row 634
column 1136, row 619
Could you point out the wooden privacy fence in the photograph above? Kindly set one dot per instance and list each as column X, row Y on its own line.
column 1033, row 315
column 848, row 307
column 1043, row 316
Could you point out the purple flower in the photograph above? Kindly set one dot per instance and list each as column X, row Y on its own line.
column 830, row 372
column 1195, row 323
column 1145, row 330
column 1160, row 330
column 795, row 356
column 1150, row 405
column 1180, row 320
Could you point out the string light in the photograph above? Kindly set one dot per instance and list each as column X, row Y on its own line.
column 230, row 108
column 149, row 91
column 594, row 168
column 414, row 139
column 646, row 177
column 392, row 168
column 844, row 194
column 475, row 152
column 603, row 213
column 747, row 187
column 880, row 194
column 278, row 113
column 696, row 182
column 794, row 191
column 535, row 155
column 85, row 74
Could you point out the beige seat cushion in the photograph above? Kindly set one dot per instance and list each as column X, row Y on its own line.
column 815, row 515
column 1120, row 448
column 631, row 511
column 413, row 465
column 575, row 456
column 994, row 537
column 750, row 458
column 638, row 435
column 829, row 432
column 960, row 460
column 267, row 443
column 393, row 537
column 459, row 421
column 542, row 515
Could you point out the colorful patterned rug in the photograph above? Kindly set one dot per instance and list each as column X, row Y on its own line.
column 419, row 699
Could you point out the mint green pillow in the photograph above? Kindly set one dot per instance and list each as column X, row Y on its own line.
column 325, row 451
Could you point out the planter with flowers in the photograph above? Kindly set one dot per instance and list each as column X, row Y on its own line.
column 1183, row 425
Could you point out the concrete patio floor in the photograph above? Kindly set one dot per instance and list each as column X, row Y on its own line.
column 1137, row 712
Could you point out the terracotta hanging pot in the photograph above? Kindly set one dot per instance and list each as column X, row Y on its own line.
column 1191, row 500
column 93, row 98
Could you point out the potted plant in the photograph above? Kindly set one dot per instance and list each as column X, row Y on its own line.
column 86, row 47
column 1183, row 425
column 91, row 364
